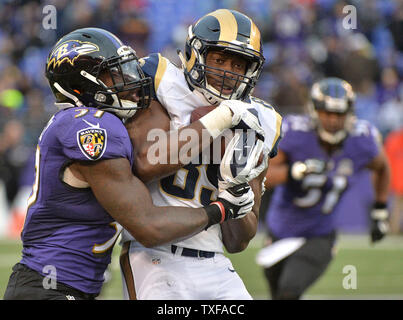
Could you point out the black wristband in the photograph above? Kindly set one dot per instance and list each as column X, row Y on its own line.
column 289, row 175
column 214, row 215
column 239, row 189
column 379, row 205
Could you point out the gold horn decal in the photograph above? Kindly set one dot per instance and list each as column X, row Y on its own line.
column 228, row 24
column 254, row 36
column 162, row 66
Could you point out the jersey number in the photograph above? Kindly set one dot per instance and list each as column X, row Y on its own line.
column 190, row 188
column 35, row 188
column 313, row 185
column 100, row 249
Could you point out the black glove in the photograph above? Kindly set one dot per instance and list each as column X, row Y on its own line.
column 379, row 221
column 232, row 203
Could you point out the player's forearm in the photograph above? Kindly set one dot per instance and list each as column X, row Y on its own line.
column 381, row 182
column 277, row 174
column 128, row 202
column 166, row 224
column 236, row 234
column 173, row 150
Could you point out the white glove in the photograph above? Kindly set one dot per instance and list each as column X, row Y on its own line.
column 239, row 163
column 239, row 200
column 244, row 116
column 256, row 171
column 300, row 169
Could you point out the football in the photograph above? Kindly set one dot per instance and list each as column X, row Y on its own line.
column 200, row 112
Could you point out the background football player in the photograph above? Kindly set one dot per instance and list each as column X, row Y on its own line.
column 84, row 190
column 222, row 62
column 319, row 158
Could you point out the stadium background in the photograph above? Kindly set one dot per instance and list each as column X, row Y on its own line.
column 303, row 40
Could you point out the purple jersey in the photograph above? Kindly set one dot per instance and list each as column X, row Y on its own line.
column 66, row 228
column 306, row 208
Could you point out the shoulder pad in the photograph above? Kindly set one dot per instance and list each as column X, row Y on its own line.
column 254, row 101
column 296, row 122
column 154, row 66
column 92, row 134
column 363, row 128
column 271, row 122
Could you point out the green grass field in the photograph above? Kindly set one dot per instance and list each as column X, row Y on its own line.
column 379, row 270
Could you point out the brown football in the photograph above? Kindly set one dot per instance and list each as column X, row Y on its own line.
column 200, row 112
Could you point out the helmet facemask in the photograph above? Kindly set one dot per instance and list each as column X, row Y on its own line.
column 122, row 87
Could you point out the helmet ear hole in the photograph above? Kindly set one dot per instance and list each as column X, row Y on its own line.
column 195, row 75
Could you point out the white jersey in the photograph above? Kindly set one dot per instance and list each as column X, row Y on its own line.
column 194, row 185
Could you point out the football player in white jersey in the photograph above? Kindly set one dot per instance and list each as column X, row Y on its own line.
column 222, row 62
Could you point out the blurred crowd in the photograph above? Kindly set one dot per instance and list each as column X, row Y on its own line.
column 303, row 40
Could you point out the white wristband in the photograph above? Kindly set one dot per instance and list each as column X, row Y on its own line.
column 217, row 121
column 379, row 214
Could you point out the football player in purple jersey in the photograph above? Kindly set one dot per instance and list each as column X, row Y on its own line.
column 84, row 191
column 319, row 157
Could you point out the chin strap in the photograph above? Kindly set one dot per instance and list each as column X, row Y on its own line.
column 326, row 136
column 123, row 113
column 181, row 58
column 332, row 138
column 68, row 95
column 124, row 110
column 339, row 136
column 63, row 105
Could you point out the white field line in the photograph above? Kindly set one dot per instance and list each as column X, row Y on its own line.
column 349, row 241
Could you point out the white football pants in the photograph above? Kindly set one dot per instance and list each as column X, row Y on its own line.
column 150, row 274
